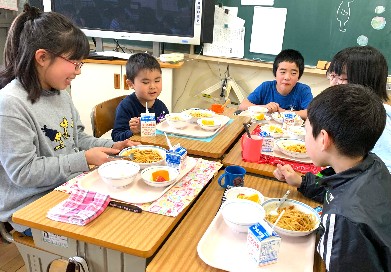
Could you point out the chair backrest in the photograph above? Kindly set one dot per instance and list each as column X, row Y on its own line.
column 103, row 116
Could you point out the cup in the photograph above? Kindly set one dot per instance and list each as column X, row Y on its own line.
column 233, row 176
column 217, row 108
column 251, row 147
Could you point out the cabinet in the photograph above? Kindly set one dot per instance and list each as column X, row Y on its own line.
column 102, row 80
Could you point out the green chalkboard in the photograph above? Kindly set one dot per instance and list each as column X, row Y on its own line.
column 315, row 27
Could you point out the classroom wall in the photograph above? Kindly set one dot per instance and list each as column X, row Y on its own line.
column 197, row 75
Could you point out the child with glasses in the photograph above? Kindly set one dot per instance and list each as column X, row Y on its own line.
column 343, row 124
column 285, row 92
column 43, row 140
column 144, row 75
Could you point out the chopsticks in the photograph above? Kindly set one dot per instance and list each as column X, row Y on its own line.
column 125, row 206
column 246, row 129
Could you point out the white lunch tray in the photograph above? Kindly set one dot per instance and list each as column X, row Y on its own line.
column 136, row 192
column 222, row 248
column 193, row 130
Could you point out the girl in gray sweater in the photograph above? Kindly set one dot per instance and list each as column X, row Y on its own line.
column 42, row 141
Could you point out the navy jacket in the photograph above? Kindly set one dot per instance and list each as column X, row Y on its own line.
column 356, row 218
column 128, row 108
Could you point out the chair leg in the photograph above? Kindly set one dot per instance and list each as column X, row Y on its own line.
column 5, row 233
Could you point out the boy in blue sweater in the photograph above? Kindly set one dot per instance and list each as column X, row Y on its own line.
column 285, row 92
column 144, row 75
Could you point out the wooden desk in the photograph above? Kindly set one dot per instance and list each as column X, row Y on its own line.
column 115, row 239
column 213, row 149
column 234, row 157
column 179, row 253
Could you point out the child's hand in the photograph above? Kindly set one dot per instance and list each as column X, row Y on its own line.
column 272, row 107
column 135, row 125
column 286, row 173
column 98, row 155
column 122, row 144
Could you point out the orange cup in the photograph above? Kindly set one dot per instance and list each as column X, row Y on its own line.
column 217, row 108
column 251, row 147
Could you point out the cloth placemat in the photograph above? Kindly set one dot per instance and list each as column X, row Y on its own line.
column 80, row 208
column 178, row 197
column 297, row 166
column 207, row 140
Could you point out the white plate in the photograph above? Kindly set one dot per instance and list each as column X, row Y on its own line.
column 193, row 130
column 232, row 194
column 197, row 113
column 272, row 203
column 222, row 248
column 159, row 149
column 216, row 123
column 136, row 192
column 258, row 109
column 271, row 128
column 282, row 143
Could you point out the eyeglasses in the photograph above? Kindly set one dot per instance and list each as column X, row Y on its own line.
column 335, row 77
column 78, row 65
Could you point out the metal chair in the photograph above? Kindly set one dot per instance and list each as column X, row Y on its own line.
column 103, row 116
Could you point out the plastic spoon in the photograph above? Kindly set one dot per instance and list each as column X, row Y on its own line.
column 282, row 200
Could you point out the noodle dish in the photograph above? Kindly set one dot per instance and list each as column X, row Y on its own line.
column 299, row 219
column 146, row 155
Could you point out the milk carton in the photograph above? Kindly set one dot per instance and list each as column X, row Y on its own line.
column 268, row 141
column 176, row 157
column 263, row 243
column 148, row 124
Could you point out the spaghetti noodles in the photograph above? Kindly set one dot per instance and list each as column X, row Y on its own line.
column 144, row 155
column 293, row 219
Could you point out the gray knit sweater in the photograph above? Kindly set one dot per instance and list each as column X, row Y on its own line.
column 41, row 145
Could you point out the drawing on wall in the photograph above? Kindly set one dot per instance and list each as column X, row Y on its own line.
column 343, row 14
column 377, row 23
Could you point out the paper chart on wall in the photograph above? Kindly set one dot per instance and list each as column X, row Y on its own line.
column 9, row 4
column 268, row 29
column 228, row 35
column 257, row 2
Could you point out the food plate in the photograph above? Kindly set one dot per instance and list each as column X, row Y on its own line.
column 278, row 117
column 224, row 249
column 158, row 149
column 282, row 144
column 147, row 175
column 197, row 113
column 210, row 123
column 275, row 130
column 258, row 109
column 272, row 203
column 193, row 130
column 137, row 192
column 297, row 132
column 234, row 192
column 278, row 154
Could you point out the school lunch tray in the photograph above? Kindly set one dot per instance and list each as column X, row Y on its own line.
column 138, row 191
column 193, row 129
column 222, row 248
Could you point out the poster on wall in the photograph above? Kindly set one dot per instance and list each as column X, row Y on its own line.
column 9, row 4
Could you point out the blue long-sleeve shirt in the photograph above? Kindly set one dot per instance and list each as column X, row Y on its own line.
column 127, row 109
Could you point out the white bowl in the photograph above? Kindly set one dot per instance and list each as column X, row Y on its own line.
column 239, row 215
column 272, row 203
column 196, row 114
column 257, row 109
column 215, row 123
column 118, row 173
column 178, row 120
column 146, row 175
column 297, row 132
column 236, row 192
column 282, row 144
column 136, row 150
